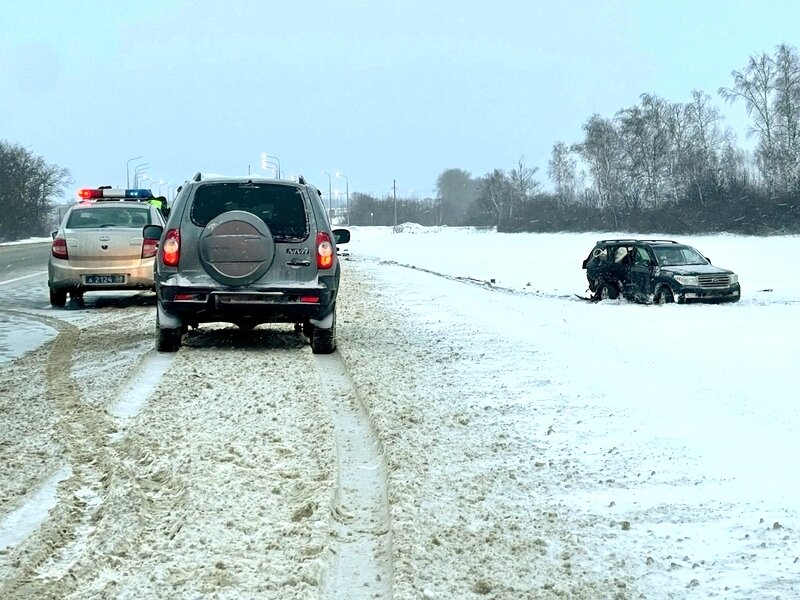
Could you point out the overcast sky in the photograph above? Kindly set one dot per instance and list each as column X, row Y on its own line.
column 379, row 91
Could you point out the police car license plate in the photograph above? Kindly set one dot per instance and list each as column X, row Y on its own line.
column 104, row 279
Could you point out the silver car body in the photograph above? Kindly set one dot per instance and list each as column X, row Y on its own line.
column 104, row 248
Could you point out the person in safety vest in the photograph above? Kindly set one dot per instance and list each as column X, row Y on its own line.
column 160, row 202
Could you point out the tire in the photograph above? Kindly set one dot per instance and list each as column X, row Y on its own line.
column 607, row 291
column 664, row 295
column 323, row 341
column 167, row 340
column 58, row 298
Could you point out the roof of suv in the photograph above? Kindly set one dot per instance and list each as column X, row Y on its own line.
column 637, row 241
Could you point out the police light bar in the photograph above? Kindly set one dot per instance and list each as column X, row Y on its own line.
column 94, row 194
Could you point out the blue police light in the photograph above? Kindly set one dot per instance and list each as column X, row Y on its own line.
column 138, row 193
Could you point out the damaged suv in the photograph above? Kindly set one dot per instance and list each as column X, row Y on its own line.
column 657, row 271
column 247, row 251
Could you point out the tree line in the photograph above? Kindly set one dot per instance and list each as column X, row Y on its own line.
column 28, row 186
column 655, row 166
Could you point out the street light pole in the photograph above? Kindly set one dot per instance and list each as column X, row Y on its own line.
column 394, row 193
column 346, row 193
column 128, row 170
column 329, row 195
column 277, row 160
column 136, row 170
column 162, row 183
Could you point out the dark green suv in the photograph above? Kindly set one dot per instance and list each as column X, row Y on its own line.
column 657, row 271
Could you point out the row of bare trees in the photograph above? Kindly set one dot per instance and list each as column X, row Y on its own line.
column 28, row 185
column 656, row 166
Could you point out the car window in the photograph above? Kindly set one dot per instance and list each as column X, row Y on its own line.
column 681, row 255
column 115, row 216
column 641, row 257
column 281, row 207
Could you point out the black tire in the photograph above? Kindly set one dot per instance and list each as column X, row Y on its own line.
column 167, row 340
column 323, row 341
column 58, row 298
column 664, row 295
column 607, row 291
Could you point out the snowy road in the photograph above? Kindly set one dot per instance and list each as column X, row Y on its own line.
column 458, row 445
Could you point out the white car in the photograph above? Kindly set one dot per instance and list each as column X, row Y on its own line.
column 100, row 245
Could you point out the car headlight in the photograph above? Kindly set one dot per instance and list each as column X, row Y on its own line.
column 734, row 278
column 687, row 280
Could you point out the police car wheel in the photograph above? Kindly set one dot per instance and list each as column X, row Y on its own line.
column 58, row 298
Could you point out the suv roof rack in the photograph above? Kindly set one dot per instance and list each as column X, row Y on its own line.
column 633, row 241
column 301, row 180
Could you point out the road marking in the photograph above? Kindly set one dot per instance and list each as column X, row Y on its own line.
column 23, row 277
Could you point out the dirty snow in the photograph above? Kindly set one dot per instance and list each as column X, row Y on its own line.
column 536, row 446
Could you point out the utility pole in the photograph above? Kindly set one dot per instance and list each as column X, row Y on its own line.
column 394, row 193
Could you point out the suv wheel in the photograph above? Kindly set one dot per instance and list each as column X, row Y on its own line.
column 323, row 341
column 607, row 291
column 664, row 295
column 167, row 340
column 58, row 298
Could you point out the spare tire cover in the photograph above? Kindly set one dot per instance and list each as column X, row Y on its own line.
column 236, row 248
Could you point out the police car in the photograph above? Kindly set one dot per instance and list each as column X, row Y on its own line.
column 100, row 246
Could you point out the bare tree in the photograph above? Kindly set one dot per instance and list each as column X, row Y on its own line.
column 562, row 170
column 754, row 85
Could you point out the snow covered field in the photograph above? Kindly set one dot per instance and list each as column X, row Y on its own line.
column 535, row 445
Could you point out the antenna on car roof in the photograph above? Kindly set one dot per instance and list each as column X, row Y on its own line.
column 302, row 180
column 197, row 176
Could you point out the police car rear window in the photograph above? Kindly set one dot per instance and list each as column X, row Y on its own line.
column 281, row 207
column 110, row 216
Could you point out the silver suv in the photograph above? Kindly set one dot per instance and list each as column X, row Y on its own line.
column 247, row 251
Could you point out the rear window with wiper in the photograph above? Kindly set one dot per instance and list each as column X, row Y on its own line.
column 109, row 216
column 281, row 207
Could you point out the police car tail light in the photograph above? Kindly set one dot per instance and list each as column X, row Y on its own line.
column 149, row 247
column 324, row 251
column 59, row 248
column 171, row 248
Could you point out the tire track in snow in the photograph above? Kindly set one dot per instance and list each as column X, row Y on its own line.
column 361, row 564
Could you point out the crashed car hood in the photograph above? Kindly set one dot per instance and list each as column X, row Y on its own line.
column 696, row 270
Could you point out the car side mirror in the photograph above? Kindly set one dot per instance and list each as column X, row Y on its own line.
column 341, row 236
column 152, row 232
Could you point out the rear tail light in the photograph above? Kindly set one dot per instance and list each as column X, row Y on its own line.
column 309, row 299
column 324, row 251
column 59, row 248
column 149, row 247
column 171, row 248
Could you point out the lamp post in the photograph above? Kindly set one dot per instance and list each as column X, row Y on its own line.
column 277, row 160
column 136, row 170
column 346, row 194
column 330, row 213
column 128, row 170
column 265, row 162
column 161, row 183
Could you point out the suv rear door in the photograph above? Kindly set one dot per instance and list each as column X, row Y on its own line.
column 254, row 233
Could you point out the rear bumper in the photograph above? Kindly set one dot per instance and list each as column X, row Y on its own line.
column 63, row 276
column 208, row 305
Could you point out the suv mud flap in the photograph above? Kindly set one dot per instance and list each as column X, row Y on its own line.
column 167, row 320
column 323, row 323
